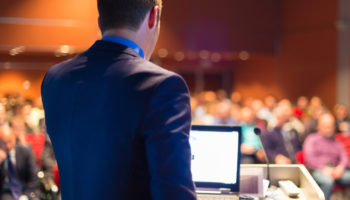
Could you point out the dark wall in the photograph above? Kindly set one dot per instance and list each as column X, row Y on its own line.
column 306, row 59
column 225, row 25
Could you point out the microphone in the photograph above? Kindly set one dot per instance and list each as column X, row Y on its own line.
column 257, row 132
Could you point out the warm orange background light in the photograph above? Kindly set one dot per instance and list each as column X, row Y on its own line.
column 11, row 81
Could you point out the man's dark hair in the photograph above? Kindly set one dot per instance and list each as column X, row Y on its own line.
column 124, row 13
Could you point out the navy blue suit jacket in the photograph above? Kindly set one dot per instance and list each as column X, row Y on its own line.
column 119, row 126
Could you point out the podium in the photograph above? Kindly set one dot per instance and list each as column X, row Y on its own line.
column 296, row 173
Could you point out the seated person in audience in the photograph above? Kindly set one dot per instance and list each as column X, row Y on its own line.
column 236, row 98
column 34, row 141
column 202, row 112
column 19, row 129
column 251, row 146
column 326, row 156
column 18, row 171
column 266, row 113
column 2, row 114
column 342, row 119
column 235, row 113
column 315, row 102
column 257, row 105
column 37, row 113
column 48, row 159
column 222, row 113
column 25, row 112
column 281, row 143
column 344, row 139
column 299, row 110
column 292, row 123
column 221, row 95
column 312, row 121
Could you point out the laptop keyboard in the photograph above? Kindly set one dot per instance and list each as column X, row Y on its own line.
column 216, row 197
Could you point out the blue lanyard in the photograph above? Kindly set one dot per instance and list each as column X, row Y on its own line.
column 125, row 42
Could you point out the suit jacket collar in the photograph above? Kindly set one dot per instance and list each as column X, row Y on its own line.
column 111, row 47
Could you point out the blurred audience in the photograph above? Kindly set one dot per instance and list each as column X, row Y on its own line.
column 223, row 113
column 284, row 127
column 266, row 113
column 2, row 114
column 282, row 142
column 25, row 120
column 236, row 98
column 26, row 115
column 18, row 171
column 326, row 157
column 299, row 110
column 291, row 122
column 235, row 113
column 311, row 122
column 342, row 119
column 48, row 160
column 19, row 129
column 251, row 146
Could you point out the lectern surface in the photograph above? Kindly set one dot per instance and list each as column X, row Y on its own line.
column 221, row 197
column 296, row 173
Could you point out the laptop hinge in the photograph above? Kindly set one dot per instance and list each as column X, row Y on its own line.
column 213, row 191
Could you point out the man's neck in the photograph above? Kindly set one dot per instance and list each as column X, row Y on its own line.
column 125, row 33
column 128, row 34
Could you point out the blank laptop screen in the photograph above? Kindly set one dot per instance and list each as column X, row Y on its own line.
column 215, row 156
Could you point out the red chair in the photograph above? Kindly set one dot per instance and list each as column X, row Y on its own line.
column 56, row 175
column 37, row 141
column 299, row 157
column 344, row 138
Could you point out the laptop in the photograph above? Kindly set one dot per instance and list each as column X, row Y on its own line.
column 215, row 162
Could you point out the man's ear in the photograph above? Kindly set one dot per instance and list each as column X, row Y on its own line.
column 153, row 17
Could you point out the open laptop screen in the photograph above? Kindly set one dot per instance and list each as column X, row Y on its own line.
column 215, row 156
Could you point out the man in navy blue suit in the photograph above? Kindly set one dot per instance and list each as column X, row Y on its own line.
column 119, row 124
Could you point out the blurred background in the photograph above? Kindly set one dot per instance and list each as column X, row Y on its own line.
column 278, row 47
column 271, row 63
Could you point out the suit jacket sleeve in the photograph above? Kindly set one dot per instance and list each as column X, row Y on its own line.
column 166, row 129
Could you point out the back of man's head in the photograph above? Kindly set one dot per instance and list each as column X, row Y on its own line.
column 129, row 14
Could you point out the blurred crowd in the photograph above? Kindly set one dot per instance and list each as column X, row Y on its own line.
column 27, row 164
column 303, row 132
